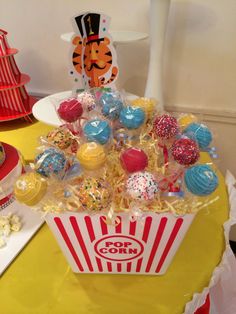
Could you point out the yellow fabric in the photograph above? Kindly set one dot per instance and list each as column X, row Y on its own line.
column 23, row 135
column 40, row 281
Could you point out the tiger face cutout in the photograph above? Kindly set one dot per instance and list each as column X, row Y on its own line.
column 97, row 61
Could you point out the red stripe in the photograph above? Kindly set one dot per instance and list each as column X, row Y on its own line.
column 89, row 226
column 119, row 226
column 14, row 66
column 68, row 242
column 129, row 267
column 81, row 241
column 156, row 243
column 103, row 225
column 205, row 308
column 109, row 266
column 119, row 267
column 139, row 264
column 99, row 263
column 169, row 243
column 132, row 227
column 147, row 227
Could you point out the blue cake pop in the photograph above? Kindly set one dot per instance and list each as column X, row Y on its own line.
column 132, row 117
column 201, row 134
column 201, row 180
column 111, row 105
column 51, row 161
column 98, row 131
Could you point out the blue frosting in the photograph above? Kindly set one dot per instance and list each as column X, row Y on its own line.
column 98, row 131
column 201, row 180
column 131, row 117
column 111, row 105
column 200, row 133
column 50, row 162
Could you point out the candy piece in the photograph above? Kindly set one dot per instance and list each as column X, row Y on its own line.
column 201, row 180
column 49, row 162
column 94, row 194
column 70, row 110
column 201, row 134
column 98, row 131
column 132, row 118
column 87, row 100
column 147, row 104
column 134, row 159
column 111, row 105
column 185, row 119
column 2, row 154
column 185, row 151
column 165, row 126
column 91, row 156
column 30, row 188
column 60, row 137
column 142, row 186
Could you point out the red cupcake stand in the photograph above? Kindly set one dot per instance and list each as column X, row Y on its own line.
column 14, row 100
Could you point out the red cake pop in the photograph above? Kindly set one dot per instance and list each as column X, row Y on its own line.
column 185, row 151
column 70, row 110
column 134, row 159
column 165, row 126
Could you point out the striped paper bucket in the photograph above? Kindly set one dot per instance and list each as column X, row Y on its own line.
column 145, row 246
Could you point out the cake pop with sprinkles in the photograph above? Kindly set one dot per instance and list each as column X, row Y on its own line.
column 142, row 186
column 94, row 194
column 165, row 126
column 49, row 162
column 111, row 105
column 185, row 151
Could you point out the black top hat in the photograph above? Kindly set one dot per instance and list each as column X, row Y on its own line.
column 92, row 25
column 78, row 21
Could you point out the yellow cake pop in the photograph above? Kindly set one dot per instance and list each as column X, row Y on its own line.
column 91, row 156
column 185, row 119
column 30, row 188
column 147, row 104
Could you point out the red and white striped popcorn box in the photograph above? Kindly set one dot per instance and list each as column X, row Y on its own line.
column 145, row 246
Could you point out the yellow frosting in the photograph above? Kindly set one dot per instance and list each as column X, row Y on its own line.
column 147, row 104
column 186, row 119
column 30, row 188
column 91, row 156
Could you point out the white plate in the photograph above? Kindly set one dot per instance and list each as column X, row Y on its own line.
column 31, row 222
column 119, row 37
column 44, row 109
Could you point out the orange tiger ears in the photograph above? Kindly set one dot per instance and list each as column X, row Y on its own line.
column 106, row 41
column 77, row 41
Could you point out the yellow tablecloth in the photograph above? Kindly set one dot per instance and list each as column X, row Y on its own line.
column 39, row 281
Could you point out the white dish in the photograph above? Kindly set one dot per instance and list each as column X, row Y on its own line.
column 44, row 110
column 31, row 222
column 117, row 36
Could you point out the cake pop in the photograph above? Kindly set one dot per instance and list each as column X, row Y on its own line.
column 201, row 134
column 134, row 159
column 165, row 126
column 132, row 118
column 91, row 156
column 98, row 131
column 142, row 186
column 49, row 162
column 185, row 151
column 201, row 180
column 30, row 188
column 70, row 110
